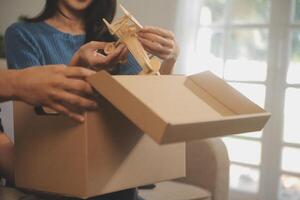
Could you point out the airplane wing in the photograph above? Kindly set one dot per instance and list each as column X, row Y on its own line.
column 131, row 17
column 138, row 52
column 115, row 26
column 109, row 26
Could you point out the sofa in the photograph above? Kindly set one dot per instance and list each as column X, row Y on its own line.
column 207, row 175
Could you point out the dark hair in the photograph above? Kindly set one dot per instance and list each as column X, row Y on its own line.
column 95, row 28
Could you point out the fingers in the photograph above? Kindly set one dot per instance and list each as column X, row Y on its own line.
column 75, row 100
column 95, row 45
column 156, row 49
column 65, row 85
column 62, row 109
column 158, row 41
column 155, row 30
column 77, row 85
column 116, row 53
column 93, row 58
column 166, row 42
column 78, row 72
column 112, row 58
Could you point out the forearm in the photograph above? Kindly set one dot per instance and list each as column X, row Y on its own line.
column 7, row 88
column 167, row 66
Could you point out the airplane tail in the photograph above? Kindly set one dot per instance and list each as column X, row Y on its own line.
column 127, row 13
column 108, row 26
column 124, row 10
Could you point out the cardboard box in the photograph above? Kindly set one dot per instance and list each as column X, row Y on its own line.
column 179, row 108
column 105, row 154
column 109, row 152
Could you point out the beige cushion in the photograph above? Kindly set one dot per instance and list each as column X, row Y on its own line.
column 171, row 190
column 3, row 64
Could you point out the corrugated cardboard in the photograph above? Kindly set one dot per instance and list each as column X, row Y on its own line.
column 109, row 152
column 179, row 108
column 105, row 154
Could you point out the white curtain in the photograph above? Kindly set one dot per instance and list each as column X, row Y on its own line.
column 187, row 20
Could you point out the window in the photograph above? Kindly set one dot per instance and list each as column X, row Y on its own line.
column 289, row 187
column 255, row 46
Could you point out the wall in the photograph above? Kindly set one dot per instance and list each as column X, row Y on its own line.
column 153, row 12
column 11, row 10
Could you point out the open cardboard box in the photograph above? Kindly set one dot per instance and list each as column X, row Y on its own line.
column 109, row 151
column 178, row 108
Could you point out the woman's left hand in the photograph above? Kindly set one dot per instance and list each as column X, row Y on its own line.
column 159, row 42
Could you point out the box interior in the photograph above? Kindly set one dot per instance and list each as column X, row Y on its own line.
column 198, row 98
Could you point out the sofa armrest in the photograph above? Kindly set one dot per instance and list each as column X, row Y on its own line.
column 208, row 167
column 3, row 64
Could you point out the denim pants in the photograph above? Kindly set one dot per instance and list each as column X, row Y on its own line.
column 1, row 127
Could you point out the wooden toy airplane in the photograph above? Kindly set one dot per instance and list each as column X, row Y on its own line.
column 126, row 29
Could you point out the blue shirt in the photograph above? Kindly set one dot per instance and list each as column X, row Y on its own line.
column 37, row 44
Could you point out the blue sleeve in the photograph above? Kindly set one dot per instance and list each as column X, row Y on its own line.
column 21, row 49
column 130, row 68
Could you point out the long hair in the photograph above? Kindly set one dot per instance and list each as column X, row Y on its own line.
column 95, row 28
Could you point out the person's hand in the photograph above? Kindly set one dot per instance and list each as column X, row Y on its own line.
column 89, row 55
column 159, row 42
column 55, row 87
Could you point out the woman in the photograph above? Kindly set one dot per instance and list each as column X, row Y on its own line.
column 71, row 32
column 66, row 31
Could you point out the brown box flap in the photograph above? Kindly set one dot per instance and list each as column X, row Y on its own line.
column 180, row 108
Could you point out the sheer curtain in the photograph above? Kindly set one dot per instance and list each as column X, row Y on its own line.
column 255, row 46
column 186, row 32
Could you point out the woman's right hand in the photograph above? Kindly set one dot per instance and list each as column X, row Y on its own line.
column 89, row 56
